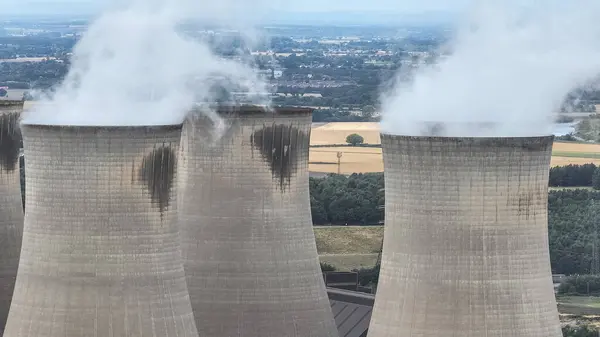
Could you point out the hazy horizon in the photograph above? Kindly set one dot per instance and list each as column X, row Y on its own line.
column 308, row 12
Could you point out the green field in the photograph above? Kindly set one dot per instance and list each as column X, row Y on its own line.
column 571, row 188
column 579, row 306
column 349, row 262
column 348, row 239
column 349, row 247
column 590, row 155
column 583, row 301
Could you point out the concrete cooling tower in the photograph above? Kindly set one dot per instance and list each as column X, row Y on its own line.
column 101, row 253
column 249, row 249
column 11, row 205
column 466, row 240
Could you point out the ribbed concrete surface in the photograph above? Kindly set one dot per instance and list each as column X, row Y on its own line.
column 250, row 254
column 101, row 253
column 466, row 243
column 11, row 204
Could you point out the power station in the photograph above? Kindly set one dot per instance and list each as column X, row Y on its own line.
column 101, row 253
column 466, row 240
column 11, row 205
column 249, row 249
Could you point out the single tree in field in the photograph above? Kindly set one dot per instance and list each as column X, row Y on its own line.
column 355, row 139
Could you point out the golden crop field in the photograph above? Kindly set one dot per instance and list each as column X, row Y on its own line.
column 564, row 161
column 364, row 160
column 576, row 147
column 336, row 133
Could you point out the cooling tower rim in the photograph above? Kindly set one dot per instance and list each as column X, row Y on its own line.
column 120, row 128
column 249, row 110
column 11, row 103
column 534, row 143
column 389, row 136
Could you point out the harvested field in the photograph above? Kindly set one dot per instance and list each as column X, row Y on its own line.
column 563, row 161
column 336, row 133
column 576, row 147
column 354, row 160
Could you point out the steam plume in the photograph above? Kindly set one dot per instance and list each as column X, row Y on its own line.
column 133, row 66
column 513, row 62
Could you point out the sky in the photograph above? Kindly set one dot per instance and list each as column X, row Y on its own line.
column 37, row 7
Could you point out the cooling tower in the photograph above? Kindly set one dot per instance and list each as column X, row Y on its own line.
column 11, row 205
column 249, row 249
column 101, row 253
column 466, row 240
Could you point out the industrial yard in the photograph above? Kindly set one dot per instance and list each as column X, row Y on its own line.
column 369, row 159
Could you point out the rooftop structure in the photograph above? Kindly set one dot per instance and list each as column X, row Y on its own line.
column 352, row 311
column 249, row 249
column 101, row 253
column 466, row 239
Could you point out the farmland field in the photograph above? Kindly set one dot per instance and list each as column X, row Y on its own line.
column 336, row 133
column 349, row 247
column 363, row 160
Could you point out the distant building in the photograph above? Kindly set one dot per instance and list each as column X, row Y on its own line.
column 13, row 94
column 352, row 311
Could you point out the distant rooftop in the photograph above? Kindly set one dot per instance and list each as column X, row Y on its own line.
column 14, row 95
column 352, row 311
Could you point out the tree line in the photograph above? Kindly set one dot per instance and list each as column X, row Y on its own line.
column 587, row 175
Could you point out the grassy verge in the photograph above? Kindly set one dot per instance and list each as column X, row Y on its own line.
column 348, row 239
column 583, row 301
column 348, row 262
column 349, row 247
column 578, row 305
column 591, row 155
column 571, row 188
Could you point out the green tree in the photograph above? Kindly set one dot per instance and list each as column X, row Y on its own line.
column 317, row 209
column 596, row 179
column 579, row 331
column 325, row 267
column 3, row 92
column 355, row 139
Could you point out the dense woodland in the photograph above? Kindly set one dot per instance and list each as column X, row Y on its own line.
column 573, row 221
column 354, row 200
column 579, row 331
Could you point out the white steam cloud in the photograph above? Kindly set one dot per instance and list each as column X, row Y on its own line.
column 133, row 66
column 510, row 69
